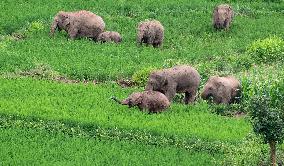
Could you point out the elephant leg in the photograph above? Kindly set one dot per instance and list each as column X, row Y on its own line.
column 170, row 94
column 189, row 96
column 73, row 33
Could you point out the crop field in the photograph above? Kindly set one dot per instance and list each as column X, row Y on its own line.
column 55, row 93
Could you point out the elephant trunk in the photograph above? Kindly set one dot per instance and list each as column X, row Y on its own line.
column 149, row 87
column 53, row 27
column 115, row 99
column 205, row 95
column 124, row 102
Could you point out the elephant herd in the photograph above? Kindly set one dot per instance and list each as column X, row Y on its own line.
column 151, row 32
column 163, row 84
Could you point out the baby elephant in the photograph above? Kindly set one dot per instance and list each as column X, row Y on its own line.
column 78, row 24
column 109, row 36
column 152, row 101
column 224, row 90
column 150, row 32
column 222, row 16
column 179, row 79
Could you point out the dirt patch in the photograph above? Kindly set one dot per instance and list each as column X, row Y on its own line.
column 73, row 81
column 125, row 83
column 239, row 114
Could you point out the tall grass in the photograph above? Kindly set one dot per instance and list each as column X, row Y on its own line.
column 38, row 147
column 92, row 104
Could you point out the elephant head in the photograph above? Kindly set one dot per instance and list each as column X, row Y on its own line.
column 134, row 99
column 61, row 21
column 214, row 89
column 157, row 82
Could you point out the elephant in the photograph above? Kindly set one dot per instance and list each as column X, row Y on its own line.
column 78, row 24
column 109, row 36
column 223, row 90
column 179, row 79
column 222, row 16
column 153, row 101
column 151, row 33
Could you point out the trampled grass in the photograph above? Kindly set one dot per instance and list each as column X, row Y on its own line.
column 38, row 147
column 92, row 104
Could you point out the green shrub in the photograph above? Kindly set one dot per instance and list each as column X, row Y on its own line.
column 35, row 26
column 268, row 121
column 140, row 77
column 257, row 81
column 267, row 50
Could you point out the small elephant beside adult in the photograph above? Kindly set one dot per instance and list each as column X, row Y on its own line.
column 151, row 101
column 78, row 24
column 179, row 79
column 223, row 90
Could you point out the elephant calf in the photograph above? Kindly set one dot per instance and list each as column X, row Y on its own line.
column 152, row 101
column 224, row 90
column 179, row 79
column 78, row 24
column 109, row 36
column 222, row 16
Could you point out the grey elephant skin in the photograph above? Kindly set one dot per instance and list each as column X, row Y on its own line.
column 223, row 90
column 223, row 16
column 179, row 79
column 109, row 36
column 151, row 33
column 152, row 101
column 78, row 24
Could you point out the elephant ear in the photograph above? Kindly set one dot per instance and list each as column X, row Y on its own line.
column 137, row 99
column 63, row 18
column 162, row 79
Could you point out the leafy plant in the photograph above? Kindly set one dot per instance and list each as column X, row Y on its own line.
column 267, row 50
column 268, row 121
column 140, row 77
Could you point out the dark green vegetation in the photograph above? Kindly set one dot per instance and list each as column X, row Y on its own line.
column 39, row 147
column 190, row 134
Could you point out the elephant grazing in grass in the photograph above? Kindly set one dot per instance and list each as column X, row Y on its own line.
column 179, row 79
column 223, row 90
column 223, row 16
column 110, row 36
column 78, row 24
column 152, row 101
column 151, row 33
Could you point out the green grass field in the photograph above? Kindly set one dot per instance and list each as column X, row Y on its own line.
column 183, row 135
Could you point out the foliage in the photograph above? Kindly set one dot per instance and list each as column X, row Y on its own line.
column 267, row 50
column 268, row 120
column 140, row 77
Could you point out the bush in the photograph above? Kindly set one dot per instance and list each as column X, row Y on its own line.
column 35, row 26
column 267, row 50
column 268, row 122
column 140, row 77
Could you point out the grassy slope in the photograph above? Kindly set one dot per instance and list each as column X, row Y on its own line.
column 92, row 104
column 189, row 36
column 38, row 147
